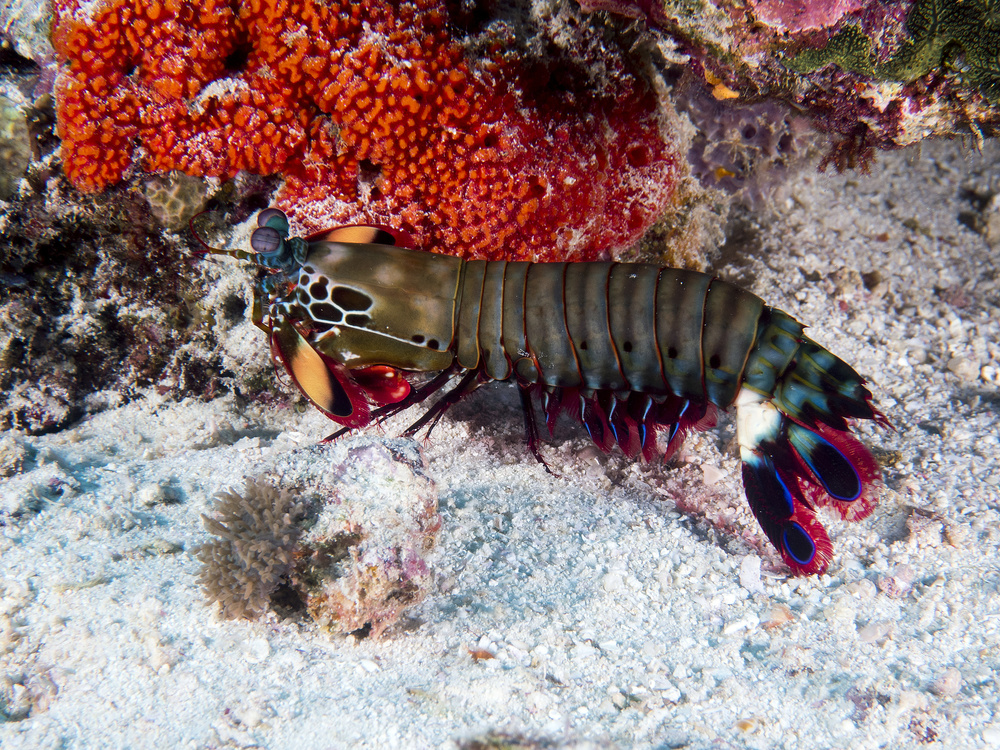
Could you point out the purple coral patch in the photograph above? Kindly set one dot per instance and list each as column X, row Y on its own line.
column 803, row 15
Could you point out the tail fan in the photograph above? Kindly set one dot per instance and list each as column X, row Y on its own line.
column 790, row 469
column 791, row 526
column 818, row 386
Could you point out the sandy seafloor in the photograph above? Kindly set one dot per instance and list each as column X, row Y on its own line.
column 611, row 595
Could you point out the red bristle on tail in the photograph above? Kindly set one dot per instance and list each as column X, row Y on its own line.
column 790, row 525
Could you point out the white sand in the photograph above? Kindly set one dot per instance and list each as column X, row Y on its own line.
column 611, row 596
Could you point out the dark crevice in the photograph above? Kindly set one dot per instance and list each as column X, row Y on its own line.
column 11, row 62
column 237, row 59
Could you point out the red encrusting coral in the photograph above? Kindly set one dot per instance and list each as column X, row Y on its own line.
column 371, row 112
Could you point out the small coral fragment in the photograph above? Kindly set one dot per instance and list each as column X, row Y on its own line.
column 13, row 455
column 364, row 560
column 175, row 197
column 354, row 558
column 255, row 535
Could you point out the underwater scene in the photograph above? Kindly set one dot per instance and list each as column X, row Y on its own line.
column 509, row 374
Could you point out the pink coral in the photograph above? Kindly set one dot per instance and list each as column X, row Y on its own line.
column 372, row 112
column 803, row 15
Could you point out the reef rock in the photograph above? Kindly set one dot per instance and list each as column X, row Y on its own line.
column 351, row 547
column 874, row 74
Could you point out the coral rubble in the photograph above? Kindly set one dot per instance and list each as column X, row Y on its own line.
column 175, row 197
column 95, row 297
column 354, row 555
column 371, row 112
column 365, row 559
column 747, row 149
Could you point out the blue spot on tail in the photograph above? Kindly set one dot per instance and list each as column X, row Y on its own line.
column 831, row 468
column 798, row 544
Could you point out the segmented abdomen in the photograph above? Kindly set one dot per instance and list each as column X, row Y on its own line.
column 621, row 327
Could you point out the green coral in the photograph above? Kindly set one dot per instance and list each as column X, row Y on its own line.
column 939, row 31
column 850, row 49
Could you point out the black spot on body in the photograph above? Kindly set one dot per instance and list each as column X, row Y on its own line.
column 714, row 361
column 417, row 338
column 627, row 346
column 433, row 344
column 357, row 320
column 325, row 311
column 583, row 345
column 350, row 299
column 672, row 353
column 318, row 290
